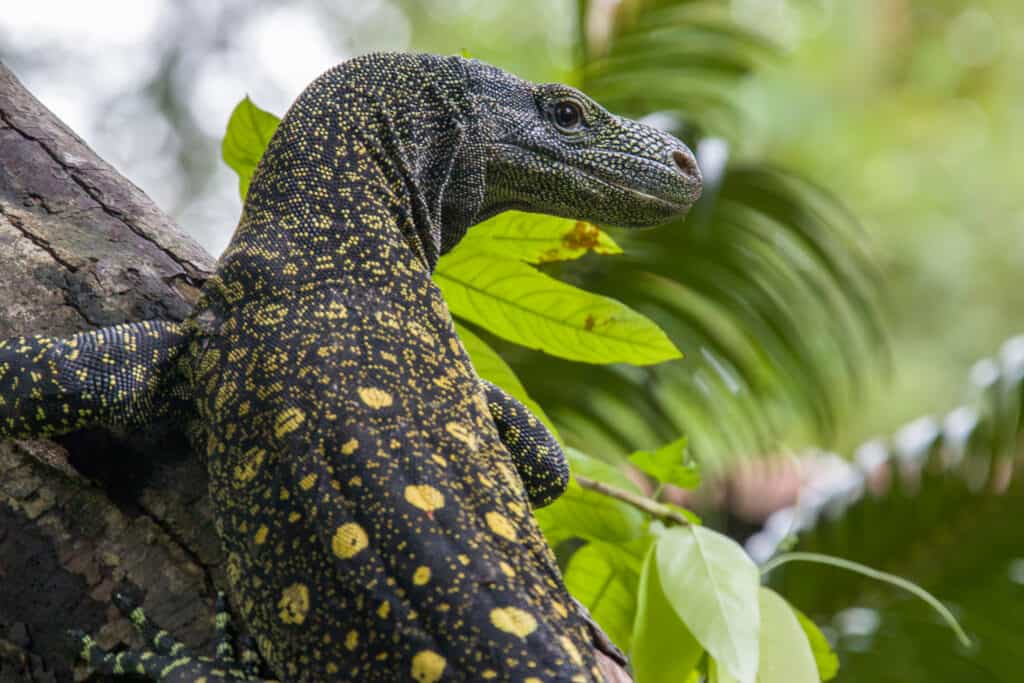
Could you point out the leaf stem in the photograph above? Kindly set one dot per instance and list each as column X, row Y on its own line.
column 651, row 507
column 885, row 577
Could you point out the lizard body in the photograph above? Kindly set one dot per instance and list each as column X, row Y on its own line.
column 376, row 525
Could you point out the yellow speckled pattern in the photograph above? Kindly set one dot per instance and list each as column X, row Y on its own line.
column 368, row 487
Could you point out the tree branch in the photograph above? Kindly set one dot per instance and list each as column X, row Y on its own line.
column 651, row 507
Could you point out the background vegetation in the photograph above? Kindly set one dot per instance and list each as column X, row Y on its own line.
column 816, row 306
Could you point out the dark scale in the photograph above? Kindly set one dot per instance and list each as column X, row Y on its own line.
column 372, row 493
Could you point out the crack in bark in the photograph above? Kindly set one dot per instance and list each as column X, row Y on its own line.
column 190, row 268
column 36, row 239
column 176, row 538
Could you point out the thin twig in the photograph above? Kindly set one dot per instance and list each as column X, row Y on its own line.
column 651, row 507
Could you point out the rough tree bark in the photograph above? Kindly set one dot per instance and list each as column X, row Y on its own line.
column 81, row 248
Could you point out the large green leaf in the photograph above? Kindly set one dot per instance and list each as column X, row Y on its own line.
column 517, row 302
column 248, row 134
column 664, row 650
column 535, row 238
column 492, row 367
column 785, row 652
column 713, row 586
column 824, row 656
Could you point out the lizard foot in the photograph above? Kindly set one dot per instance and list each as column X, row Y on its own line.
column 168, row 660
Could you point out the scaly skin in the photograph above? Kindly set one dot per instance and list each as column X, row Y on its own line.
column 375, row 523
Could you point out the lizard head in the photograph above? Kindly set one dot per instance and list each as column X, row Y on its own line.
column 551, row 149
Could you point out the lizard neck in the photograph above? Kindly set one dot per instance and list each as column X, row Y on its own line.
column 366, row 175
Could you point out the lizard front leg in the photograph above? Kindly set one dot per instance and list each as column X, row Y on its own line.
column 536, row 452
column 122, row 375
column 542, row 465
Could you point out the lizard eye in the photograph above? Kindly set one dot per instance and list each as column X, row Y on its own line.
column 567, row 115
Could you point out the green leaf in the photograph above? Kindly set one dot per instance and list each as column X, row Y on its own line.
column 248, row 134
column 717, row 675
column 785, row 652
column 518, row 303
column 663, row 648
column 669, row 465
column 604, row 577
column 712, row 584
column 588, row 514
column 536, row 238
column 824, row 657
column 492, row 367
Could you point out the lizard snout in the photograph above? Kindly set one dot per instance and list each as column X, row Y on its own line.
column 686, row 162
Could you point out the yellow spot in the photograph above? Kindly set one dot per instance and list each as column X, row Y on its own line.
column 307, row 482
column 261, row 534
column 439, row 459
column 352, row 640
column 375, row 398
column 271, row 314
column 335, row 310
column 250, row 465
column 225, row 394
column 425, row 497
column 294, row 604
column 384, row 610
column 513, row 620
column 516, row 509
column 234, row 292
column 501, row 525
column 234, row 568
column 332, row 668
column 507, row 569
column 349, row 540
column 560, row 608
column 294, row 516
column 462, row 433
column 386, row 319
column 464, row 559
column 349, row 447
column 532, row 679
column 207, row 362
column 570, row 648
column 288, row 421
column 489, row 674
column 421, row 575
column 427, row 666
column 510, row 478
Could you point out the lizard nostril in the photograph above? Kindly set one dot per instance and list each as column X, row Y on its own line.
column 686, row 163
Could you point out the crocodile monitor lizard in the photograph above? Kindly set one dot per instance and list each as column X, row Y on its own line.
column 372, row 494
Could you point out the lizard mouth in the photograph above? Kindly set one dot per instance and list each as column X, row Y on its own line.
column 679, row 195
column 673, row 204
